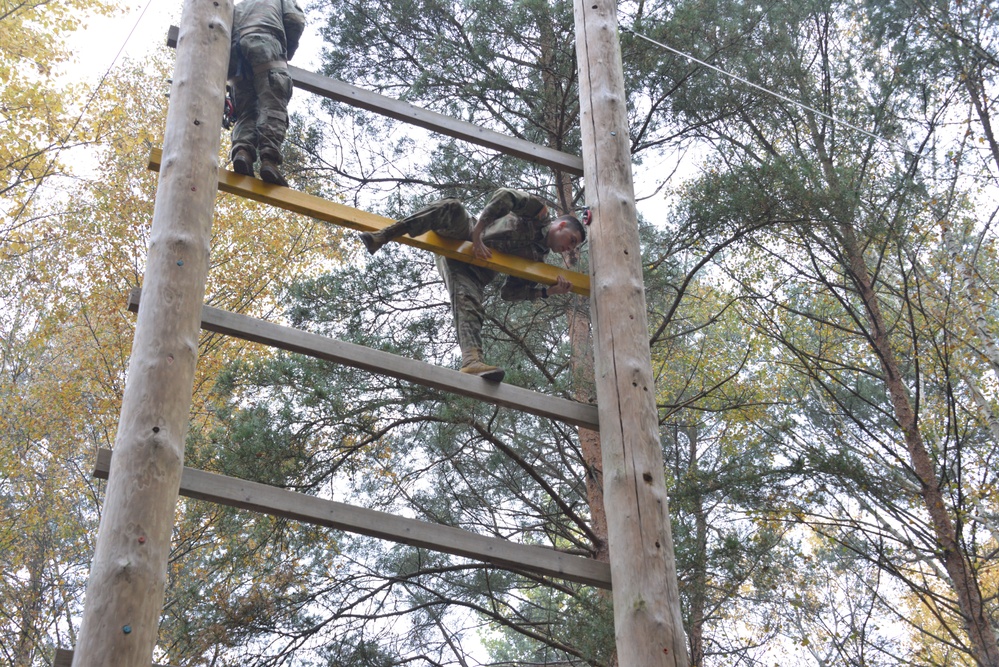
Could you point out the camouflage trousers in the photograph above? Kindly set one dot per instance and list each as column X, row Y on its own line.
column 260, row 96
column 465, row 282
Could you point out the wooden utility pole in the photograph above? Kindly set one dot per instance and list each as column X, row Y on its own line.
column 128, row 574
column 647, row 622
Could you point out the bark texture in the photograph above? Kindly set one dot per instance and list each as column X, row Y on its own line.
column 128, row 575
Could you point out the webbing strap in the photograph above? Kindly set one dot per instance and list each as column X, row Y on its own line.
column 267, row 66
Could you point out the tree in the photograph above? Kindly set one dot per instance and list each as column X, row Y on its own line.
column 46, row 517
column 721, row 435
column 844, row 295
column 514, row 72
column 37, row 109
column 470, row 61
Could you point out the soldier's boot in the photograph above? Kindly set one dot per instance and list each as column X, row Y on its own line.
column 242, row 162
column 373, row 241
column 473, row 364
column 270, row 173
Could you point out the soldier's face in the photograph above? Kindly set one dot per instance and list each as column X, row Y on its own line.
column 562, row 238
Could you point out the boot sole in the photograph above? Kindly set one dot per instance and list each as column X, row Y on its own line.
column 273, row 177
column 370, row 243
column 492, row 376
column 242, row 167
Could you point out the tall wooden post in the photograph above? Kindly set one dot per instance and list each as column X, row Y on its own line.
column 128, row 575
column 647, row 622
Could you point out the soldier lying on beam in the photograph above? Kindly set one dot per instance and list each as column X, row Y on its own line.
column 513, row 222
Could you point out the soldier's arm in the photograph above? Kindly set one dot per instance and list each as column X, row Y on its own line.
column 519, row 289
column 294, row 25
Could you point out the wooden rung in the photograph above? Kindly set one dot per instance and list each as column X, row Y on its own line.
column 431, row 120
column 322, row 209
column 265, row 499
column 365, row 358
column 387, row 106
column 64, row 658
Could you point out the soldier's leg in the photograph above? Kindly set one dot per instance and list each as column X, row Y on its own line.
column 273, row 86
column 244, row 131
column 465, row 284
column 272, row 123
column 447, row 217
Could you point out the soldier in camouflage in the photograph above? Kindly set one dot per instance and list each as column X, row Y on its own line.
column 512, row 222
column 264, row 38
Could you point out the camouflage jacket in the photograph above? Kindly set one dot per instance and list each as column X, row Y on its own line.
column 282, row 18
column 517, row 223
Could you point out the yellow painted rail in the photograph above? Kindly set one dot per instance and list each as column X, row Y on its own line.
column 322, row 209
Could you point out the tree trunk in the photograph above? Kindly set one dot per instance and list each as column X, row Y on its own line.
column 700, row 575
column 30, row 605
column 577, row 315
column 983, row 638
column 128, row 575
column 647, row 620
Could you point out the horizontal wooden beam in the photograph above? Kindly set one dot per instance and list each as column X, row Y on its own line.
column 64, row 658
column 345, row 216
column 376, row 361
column 387, row 106
column 436, row 122
column 265, row 499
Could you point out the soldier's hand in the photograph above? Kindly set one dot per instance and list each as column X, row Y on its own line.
column 480, row 249
column 561, row 286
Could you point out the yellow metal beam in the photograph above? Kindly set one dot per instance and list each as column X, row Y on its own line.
column 322, row 209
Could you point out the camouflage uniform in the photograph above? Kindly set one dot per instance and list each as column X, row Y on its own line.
column 264, row 38
column 515, row 229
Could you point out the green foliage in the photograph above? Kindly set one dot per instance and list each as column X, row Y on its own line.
column 833, row 222
column 589, row 630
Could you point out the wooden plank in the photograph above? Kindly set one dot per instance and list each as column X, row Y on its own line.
column 648, row 625
column 64, row 658
column 265, row 499
column 352, row 218
column 128, row 573
column 436, row 122
column 376, row 361
column 387, row 106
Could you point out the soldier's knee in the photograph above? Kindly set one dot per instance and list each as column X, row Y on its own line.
column 280, row 83
column 451, row 204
